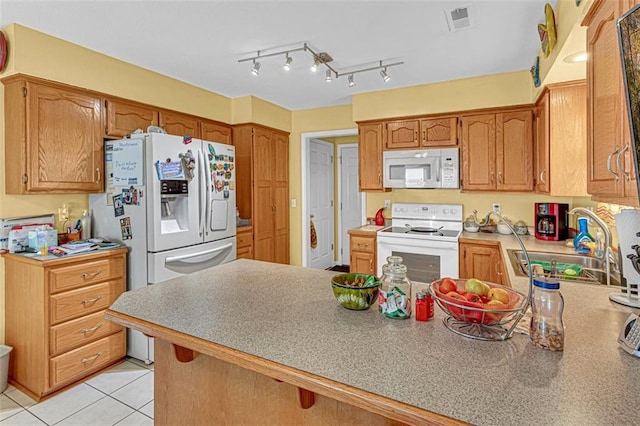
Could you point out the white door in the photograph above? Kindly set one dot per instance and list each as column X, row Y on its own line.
column 321, row 204
column 350, row 197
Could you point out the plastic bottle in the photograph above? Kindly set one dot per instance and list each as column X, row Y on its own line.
column 582, row 240
column 394, row 297
column 599, row 243
column 546, row 329
column 85, row 220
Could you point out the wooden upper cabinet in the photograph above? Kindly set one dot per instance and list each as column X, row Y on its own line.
column 402, row 134
column 436, row 132
column 215, row 132
column 179, row 124
column 53, row 138
column 124, row 117
column 514, row 150
column 421, row 133
column 370, row 157
column 541, row 171
column 560, row 140
column 478, row 152
column 610, row 175
column 497, row 151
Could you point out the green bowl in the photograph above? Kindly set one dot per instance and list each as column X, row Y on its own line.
column 352, row 297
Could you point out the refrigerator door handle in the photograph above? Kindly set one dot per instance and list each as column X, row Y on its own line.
column 184, row 257
column 201, row 200
column 208, row 189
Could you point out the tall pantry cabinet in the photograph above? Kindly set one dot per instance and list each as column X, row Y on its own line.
column 262, row 180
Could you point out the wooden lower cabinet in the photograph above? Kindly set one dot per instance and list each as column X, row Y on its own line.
column 55, row 318
column 362, row 252
column 482, row 260
column 245, row 242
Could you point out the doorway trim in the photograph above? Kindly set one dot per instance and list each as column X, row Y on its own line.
column 304, row 161
column 339, row 183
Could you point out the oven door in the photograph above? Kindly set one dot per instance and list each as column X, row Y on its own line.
column 426, row 260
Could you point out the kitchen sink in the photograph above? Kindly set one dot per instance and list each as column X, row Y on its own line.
column 593, row 269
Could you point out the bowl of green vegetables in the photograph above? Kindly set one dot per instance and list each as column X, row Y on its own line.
column 355, row 291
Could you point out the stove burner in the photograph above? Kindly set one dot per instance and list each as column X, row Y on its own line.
column 424, row 229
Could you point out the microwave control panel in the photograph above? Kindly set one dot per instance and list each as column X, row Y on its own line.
column 450, row 174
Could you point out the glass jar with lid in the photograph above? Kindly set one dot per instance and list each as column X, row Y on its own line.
column 546, row 330
column 394, row 297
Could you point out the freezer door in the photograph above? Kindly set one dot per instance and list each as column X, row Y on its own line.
column 173, row 191
column 220, row 194
column 175, row 263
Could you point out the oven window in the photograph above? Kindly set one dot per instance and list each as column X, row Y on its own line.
column 423, row 268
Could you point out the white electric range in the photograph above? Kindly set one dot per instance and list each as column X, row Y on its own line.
column 426, row 237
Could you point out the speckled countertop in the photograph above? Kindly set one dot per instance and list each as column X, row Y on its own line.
column 288, row 315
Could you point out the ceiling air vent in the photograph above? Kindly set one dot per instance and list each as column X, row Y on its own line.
column 460, row 17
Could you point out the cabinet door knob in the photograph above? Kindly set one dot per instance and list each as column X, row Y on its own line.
column 99, row 175
column 542, row 173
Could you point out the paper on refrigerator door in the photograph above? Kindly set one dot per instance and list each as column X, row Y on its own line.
column 628, row 224
column 127, row 162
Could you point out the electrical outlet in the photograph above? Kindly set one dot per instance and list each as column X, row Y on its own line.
column 496, row 207
column 63, row 213
column 387, row 204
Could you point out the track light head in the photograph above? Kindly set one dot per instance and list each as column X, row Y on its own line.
column 256, row 68
column 287, row 63
column 351, row 81
column 316, row 63
column 385, row 75
column 328, row 78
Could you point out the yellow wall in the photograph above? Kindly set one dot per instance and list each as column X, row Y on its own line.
column 250, row 109
column 457, row 95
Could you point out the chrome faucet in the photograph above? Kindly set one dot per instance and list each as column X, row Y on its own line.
column 609, row 256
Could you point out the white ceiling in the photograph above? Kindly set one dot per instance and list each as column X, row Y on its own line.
column 200, row 42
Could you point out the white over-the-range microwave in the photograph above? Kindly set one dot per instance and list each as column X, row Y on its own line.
column 424, row 168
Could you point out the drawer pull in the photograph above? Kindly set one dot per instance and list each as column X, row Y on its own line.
column 91, row 358
column 92, row 275
column 87, row 301
column 92, row 329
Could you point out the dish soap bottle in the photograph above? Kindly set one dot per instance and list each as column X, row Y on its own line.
column 599, row 243
column 583, row 240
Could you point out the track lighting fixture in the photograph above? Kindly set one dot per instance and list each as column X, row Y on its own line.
column 316, row 63
column 320, row 59
column 385, row 75
column 256, row 68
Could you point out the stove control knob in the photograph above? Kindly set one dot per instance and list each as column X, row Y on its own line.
column 453, row 211
column 445, row 211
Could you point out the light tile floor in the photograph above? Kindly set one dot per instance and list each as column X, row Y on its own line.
column 122, row 395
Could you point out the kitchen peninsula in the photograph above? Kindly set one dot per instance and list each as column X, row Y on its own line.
column 224, row 334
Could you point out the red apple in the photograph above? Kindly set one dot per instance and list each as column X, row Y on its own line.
column 447, row 285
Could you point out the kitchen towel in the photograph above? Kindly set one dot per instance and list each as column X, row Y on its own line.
column 314, row 235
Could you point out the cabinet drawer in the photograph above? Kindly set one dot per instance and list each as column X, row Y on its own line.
column 81, row 331
column 365, row 244
column 83, row 301
column 244, row 239
column 82, row 274
column 245, row 252
column 83, row 361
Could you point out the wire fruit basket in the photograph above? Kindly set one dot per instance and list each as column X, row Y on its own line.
column 479, row 320
column 476, row 321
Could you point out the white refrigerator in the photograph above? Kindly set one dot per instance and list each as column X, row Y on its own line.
column 172, row 201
